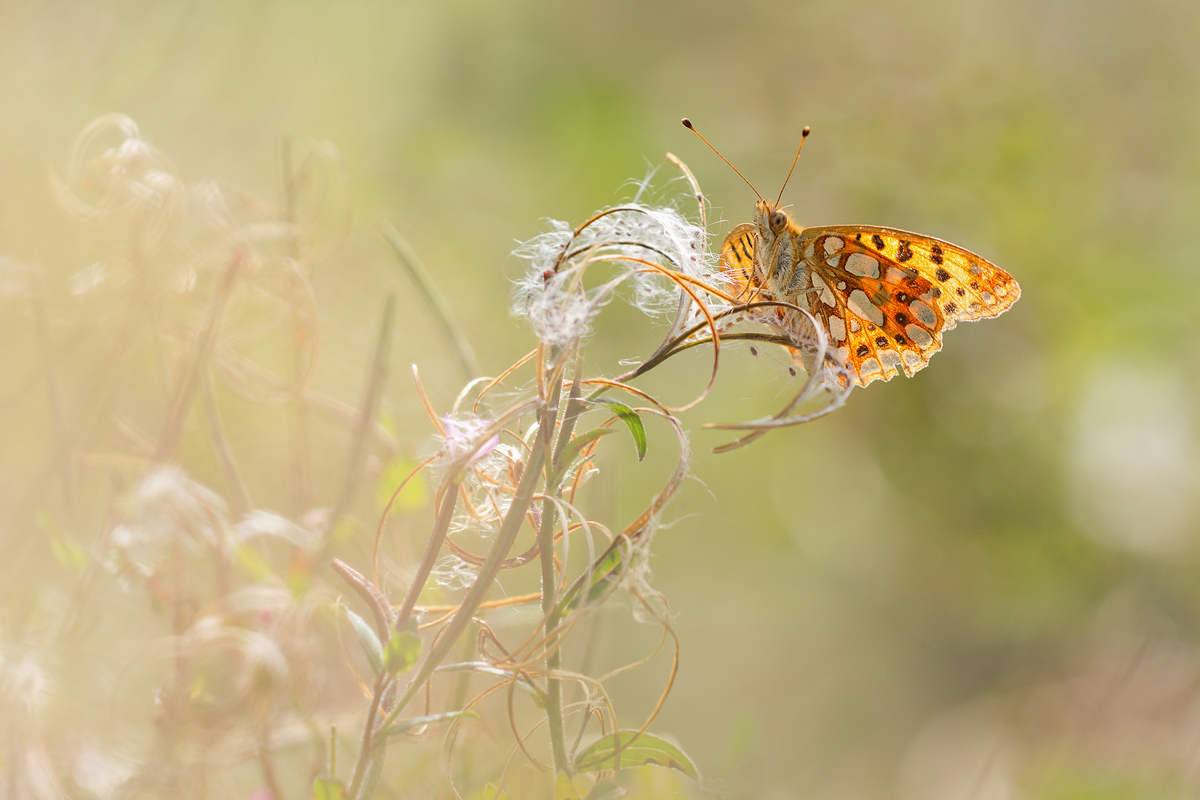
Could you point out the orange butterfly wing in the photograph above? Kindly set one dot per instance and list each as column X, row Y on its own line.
column 737, row 261
column 886, row 295
column 883, row 295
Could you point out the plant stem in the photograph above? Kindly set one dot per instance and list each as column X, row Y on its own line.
column 201, row 350
column 369, row 742
column 554, row 720
column 441, row 526
column 371, row 394
column 441, row 309
column 487, row 573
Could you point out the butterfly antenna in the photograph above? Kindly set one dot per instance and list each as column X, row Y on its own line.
column 803, row 135
column 687, row 123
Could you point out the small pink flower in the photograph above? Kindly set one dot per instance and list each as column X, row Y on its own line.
column 462, row 433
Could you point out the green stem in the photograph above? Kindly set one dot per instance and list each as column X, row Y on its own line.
column 440, row 528
column 441, row 309
column 487, row 573
column 369, row 743
column 554, row 719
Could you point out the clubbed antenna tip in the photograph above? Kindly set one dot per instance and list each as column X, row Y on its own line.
column 687, row 123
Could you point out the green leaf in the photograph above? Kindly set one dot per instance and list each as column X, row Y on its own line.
column 579, row 442
column 493, row 792
column 369, row 641
column 413, row 496
column 567, row 789
column 571, row 452
column 628, row 749
column 69, row 554
column 415, row 722
column 632, row 420
column 343, row 529
column 605, row 789
column 254, row 562
column 328, row 789
column 401, row 652
column 605, row 570
column 298, row 578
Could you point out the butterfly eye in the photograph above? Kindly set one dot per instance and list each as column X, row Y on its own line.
column 778, row 221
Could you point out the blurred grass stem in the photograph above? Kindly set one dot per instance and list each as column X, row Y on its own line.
column 441, row 309
column 201, row 349
column 374, row 387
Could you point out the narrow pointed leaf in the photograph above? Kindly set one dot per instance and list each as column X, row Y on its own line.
column 415, row 722
column 369, row 641
column 632, row 420
column 628, row 749
column 579, row 442
column 604, row 571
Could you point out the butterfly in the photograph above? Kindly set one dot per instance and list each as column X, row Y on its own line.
column 882, row 296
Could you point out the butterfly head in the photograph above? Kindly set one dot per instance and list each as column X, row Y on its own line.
column 777, row 219
column 771, row 220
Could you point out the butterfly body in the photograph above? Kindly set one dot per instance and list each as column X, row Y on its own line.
column 883, row 296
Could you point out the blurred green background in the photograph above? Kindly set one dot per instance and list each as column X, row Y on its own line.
column 980, row 582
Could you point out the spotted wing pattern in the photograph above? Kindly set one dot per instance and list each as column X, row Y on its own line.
column 884, row 296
